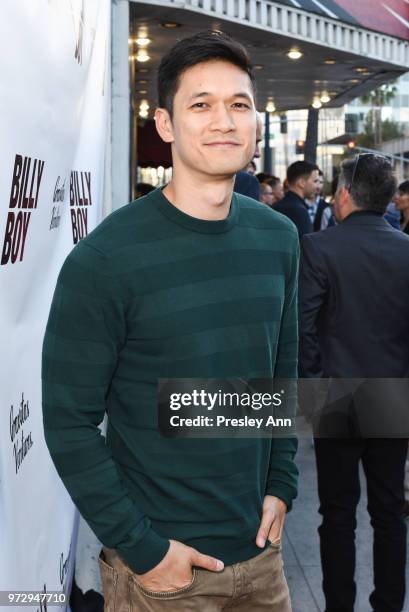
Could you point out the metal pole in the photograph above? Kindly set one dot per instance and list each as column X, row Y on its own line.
column 267, row 149
column 120, row 113
column 311, row 140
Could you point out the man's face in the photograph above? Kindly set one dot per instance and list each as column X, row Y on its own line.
column 278, row 192
column 310, row 185
column 214, row 119
column 266, row 197
column 320, row 185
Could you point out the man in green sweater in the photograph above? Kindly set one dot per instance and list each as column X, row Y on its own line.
column 192, row 281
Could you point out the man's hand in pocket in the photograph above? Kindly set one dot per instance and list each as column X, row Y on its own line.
column 272, row 520
column 175, row 570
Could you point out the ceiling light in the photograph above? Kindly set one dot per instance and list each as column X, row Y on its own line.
column 270, row 106
column 143, row 114
column 143, row 42
column 325, row 98
column 361, row 70
column 316, row 104
column 142, row 70
column 258, row 66
column 142, row 81
column 142, row 56
column 294, row 54
column 142, row 91
column 170, row 25
column 144, row 105
column 330, row 62
column 354, row 81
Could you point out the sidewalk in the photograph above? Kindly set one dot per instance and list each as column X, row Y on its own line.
column 301, row 544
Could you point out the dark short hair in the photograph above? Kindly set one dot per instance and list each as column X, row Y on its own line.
column 404, row 187
column 274, row 181
column 373, row 185
column 197, row 49
column 300, row 169
column 262, row 177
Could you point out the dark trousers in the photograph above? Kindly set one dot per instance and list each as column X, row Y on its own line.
column 383, row 461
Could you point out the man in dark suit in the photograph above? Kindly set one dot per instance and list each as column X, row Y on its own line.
column 302, row 180
column 354, row 324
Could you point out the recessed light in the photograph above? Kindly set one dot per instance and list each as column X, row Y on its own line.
column 361, row 70
column 142, row 56
column 270, row 106
column 144, row 105
column 142, row 81
column 142, row 91
column 170, row 25
column 258, row 66
column 143, row 42
column 143, row 114
column 316, row 104
column 143, row 70
column 330, row 62
column 294, row 54
column 354, row 81
column 325, row 98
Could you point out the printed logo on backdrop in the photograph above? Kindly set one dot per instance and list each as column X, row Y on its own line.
column 80, row 200
column 58, row 198
column 25, row 189
column 21, row 439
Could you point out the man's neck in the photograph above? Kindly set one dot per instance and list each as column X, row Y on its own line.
column 297, row 190
column 200, row 196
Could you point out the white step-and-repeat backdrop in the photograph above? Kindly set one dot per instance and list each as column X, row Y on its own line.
column 54, row 105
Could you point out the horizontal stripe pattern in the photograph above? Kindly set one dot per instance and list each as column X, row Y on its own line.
column 151, row 294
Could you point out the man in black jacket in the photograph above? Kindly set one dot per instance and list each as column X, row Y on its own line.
column 354, row 324
column 302, row 180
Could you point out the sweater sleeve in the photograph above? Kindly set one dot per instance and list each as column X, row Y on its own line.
column 283, row 472
column 85, row 332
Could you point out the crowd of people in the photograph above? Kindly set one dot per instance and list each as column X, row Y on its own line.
column 300, row 196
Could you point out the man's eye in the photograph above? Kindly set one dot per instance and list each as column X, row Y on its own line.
column 241, row 105
column 199, row 105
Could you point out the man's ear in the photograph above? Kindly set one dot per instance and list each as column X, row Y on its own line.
column 344, row 197
column 164, row 124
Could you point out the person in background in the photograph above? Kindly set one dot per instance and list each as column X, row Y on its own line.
column 262, row 177
column 328, row 219
column 320, row 202
column 302, row 179
column 266, row 194
column 402, row 204
column 251, row 168
column 354, row 324
column 277, row 187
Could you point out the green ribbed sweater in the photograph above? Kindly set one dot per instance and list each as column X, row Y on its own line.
column 154, row 293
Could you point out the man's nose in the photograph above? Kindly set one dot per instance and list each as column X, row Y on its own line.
column 222, row 119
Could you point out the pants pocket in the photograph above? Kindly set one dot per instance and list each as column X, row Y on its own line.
column 166, row 594
column 109, row 579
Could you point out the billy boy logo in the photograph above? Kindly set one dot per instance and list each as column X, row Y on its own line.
column 25, row 188
column 80, row 199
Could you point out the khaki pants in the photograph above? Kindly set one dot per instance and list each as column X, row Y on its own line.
column 255, row 585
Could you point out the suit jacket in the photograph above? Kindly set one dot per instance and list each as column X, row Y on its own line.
column 294, row 207
column 247, row 185
column 354, row 300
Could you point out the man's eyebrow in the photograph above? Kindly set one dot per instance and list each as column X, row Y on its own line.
column 240, row 94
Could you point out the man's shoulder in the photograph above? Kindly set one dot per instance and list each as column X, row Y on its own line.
column 122, row 227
